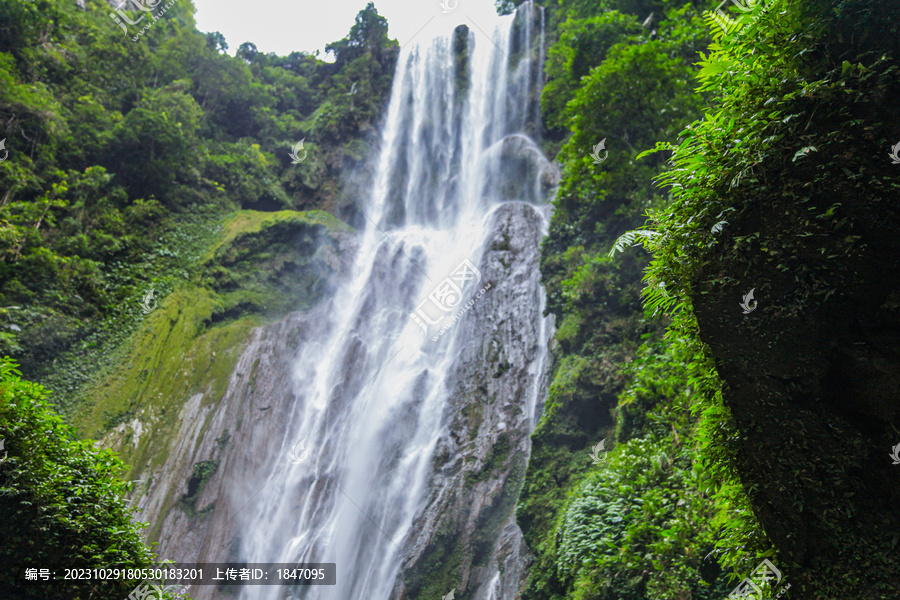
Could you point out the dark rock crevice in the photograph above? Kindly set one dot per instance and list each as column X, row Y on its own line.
column 812, row 378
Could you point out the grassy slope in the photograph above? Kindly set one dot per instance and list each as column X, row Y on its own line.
column 191, row 342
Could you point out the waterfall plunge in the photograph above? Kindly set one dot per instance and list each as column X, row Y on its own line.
column 373, row 393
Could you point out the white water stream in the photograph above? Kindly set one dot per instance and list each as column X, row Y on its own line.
column 373, row 393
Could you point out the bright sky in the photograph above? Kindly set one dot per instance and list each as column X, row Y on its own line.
column 285, row 26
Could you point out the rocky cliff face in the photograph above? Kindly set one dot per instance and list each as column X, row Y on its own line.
column 813, row 382
column 812, row 372
column 468, row 526
column 196, row 490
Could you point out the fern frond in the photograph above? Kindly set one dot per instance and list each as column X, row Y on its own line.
column 631, row 238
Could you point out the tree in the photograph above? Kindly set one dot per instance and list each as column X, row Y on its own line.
column 368, row 34
column 61, row 501
column 157, row 142
column 216, row 41
column 247, row 52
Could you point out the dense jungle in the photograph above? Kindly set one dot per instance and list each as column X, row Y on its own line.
column 687, row 364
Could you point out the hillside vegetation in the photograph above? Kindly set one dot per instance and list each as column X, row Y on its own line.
column 701, row 159
column 758, row 164
column 126, row 157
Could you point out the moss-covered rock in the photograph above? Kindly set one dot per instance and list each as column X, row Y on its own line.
column 261, row 267
column 798, row 162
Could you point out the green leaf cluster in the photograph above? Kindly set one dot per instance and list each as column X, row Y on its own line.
column 791, row 153
column 643, row 524
column 124, row 157
column 61, row 501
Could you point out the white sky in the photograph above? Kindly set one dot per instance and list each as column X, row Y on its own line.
column 285, row 26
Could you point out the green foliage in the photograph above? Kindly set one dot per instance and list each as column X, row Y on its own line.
column 583, row 44
column 156, row 143
column 366, row 35
column 646, row 522
column 201, row 473
column 640, row 524
column 123, row 155
column 504, row 7
column 795, row 125
column 629, row 238
column 61, row 500
column 638, row 92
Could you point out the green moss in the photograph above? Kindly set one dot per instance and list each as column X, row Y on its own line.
column 440, row 566
column 245, row 222
column 438, row 571
column 271, row 263
column 501, row 245
column 502, row 368
column 493, row 517
column 473, row 414
column 495, row 458
column 223, row 440
column 200, row 476
column 192, row 341
column 253, row 370
column 184, row 358
column 500, row 451
column 261, row 266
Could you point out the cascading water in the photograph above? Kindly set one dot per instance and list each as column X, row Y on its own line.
column 373, row 392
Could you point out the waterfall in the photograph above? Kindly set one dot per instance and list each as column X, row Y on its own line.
column 373, row 392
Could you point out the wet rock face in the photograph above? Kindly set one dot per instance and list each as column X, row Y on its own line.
column 469, row 520
column 226, row 452
column 524, row 172
column 199, row 520
column 813, row 380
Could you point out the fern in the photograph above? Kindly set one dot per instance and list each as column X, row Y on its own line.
column 631, row 238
